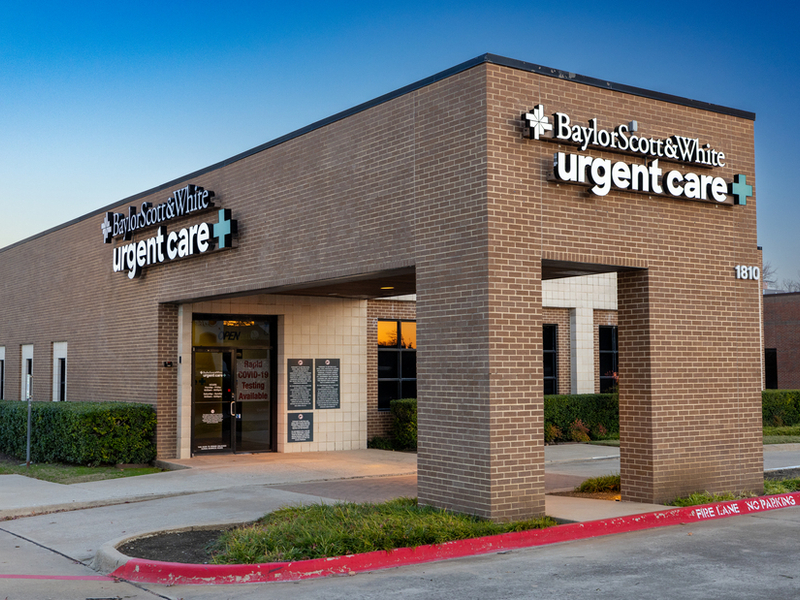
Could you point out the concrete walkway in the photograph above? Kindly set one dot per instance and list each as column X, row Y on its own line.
column 358, row 475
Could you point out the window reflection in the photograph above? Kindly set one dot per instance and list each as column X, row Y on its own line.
column 387, row 334
column 397, row 361
column 408, row 338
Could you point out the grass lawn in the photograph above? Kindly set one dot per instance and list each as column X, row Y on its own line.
column 303, row 532
column 66, row 474
column 782, row 486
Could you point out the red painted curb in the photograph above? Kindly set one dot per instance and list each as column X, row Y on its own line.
column 150, row 571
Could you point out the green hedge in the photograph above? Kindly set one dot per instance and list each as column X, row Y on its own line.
column 780, row 408
column 598, row 415
column 82, row 433
column 404, row 423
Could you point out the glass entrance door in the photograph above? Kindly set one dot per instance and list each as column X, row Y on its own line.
column 212, row 401
column 233, row 390
column 253, row 401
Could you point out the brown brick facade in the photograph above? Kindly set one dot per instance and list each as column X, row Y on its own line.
column 167, row 401
column 439, row 181
column 782, row 332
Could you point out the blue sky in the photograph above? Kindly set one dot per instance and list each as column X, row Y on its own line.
column 102, row 100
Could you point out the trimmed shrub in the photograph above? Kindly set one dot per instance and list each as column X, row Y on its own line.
column 780, row 408
column 81, row 433
column 597, row 417
column 551, row 433
column 578, row 432
column 381, row 443
column 404, row 423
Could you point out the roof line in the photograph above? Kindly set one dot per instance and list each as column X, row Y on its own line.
column 483, row 59
column 618, row 87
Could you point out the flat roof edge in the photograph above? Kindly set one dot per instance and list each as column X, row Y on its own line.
column 618, row 87
column 482, row 59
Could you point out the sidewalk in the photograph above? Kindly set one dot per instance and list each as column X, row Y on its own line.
column 23, row 496
column 357, row 475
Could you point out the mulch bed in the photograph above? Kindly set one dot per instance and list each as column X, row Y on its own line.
column 180, row 547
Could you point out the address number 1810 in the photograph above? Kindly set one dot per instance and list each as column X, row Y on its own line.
column 743, row 272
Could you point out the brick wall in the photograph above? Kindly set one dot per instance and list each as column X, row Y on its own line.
column 782, row 332
column 167, row 401
column 689, row 339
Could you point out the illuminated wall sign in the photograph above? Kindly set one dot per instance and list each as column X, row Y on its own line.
column 602, row 175
column 183, row 202
column 166, row 245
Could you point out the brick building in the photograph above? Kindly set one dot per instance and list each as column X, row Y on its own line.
column 237, row 299
column 782, row 341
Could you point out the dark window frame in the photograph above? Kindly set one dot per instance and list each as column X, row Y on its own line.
column 608, row 357
column 2, row 379
column 62, row 379
column 401, row 359
column 771, row 368
column 550, row 358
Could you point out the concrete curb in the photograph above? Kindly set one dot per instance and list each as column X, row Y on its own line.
column 165, row 573
column 32, row 511
column 108, row 559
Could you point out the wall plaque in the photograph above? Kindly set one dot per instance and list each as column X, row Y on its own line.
column 327, row 382
column 300, row 384
column 301, row 427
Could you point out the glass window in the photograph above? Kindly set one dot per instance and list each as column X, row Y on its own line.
column 408, row 335
column 387, row 334
column 549, row 358
column 230, row 333
column 62, row 379
column 26, row 370
column 609, row 366
column 59, row 371
column 770, row 368
column 397, row 361
column 388, row 365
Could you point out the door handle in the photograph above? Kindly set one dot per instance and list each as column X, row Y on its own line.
column 233, row 408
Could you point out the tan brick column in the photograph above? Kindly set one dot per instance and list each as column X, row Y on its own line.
column 167, row 378
column 691, row 428
column 635, row 394
column 479, row 356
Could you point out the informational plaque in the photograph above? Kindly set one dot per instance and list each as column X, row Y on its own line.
column 301, row 427
column 327, row 382
column 301, row 383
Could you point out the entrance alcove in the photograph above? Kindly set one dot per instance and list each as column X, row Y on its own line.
column 588, row 292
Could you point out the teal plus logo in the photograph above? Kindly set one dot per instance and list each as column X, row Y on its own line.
column 226, row 229
column 739, row 189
